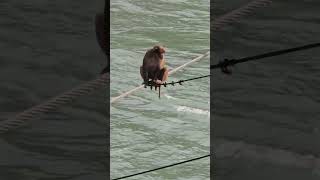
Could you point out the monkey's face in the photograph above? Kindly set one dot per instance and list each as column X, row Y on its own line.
column 160, row 50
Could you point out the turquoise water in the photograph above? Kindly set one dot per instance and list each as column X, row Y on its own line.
column 147, row 132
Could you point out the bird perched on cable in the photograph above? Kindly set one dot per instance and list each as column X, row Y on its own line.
column 153, row 68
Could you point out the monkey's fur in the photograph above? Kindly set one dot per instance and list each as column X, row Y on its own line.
column 151, row 68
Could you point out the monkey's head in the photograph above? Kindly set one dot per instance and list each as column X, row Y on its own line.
column 159, row 50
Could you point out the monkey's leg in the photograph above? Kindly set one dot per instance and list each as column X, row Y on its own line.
column 165, row 74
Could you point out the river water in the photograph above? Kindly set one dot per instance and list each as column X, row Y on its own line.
column 147, row 132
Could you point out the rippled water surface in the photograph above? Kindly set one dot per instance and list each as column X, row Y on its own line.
column 147, row 132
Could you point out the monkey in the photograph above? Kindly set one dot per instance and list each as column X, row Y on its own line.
column 153, row 66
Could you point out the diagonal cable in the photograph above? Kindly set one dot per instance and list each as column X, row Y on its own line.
column 232, row 62
column 163, row 167
column 223, row 65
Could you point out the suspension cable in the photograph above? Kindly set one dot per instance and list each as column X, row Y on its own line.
column 163, row 167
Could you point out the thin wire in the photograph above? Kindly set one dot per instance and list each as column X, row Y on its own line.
column 261, row 56
column 226, row 63
column 165, row 84
column 163, row 167
column 127, row 93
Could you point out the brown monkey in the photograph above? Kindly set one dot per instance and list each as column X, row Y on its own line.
column 153, row 67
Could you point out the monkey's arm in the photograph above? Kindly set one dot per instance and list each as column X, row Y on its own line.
column 165, row 74
column 162, row 63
